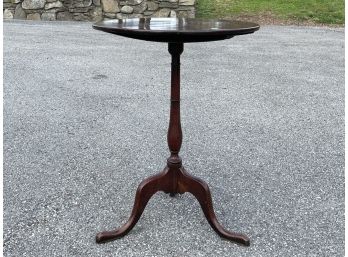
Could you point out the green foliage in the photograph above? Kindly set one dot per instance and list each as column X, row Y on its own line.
column 318, row 11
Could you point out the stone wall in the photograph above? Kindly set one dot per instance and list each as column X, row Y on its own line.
column 94, row 10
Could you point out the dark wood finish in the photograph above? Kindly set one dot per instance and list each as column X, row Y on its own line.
column 177, row 29
column 173, row 179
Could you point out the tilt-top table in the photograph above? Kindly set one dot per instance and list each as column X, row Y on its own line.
column 174, row 178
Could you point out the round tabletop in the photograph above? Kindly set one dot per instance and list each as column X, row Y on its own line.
column 176, row 29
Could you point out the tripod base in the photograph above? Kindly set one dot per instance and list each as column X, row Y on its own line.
column 173, row 179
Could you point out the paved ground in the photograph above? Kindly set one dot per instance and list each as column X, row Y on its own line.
column 85, row 119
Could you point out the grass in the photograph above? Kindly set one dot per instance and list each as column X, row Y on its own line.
column 312, row 11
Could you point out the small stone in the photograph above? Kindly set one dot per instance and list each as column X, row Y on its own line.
column 186, row 2
column 172, row 14
column 152, row 6
column 75, row 4
column 120, row 16
column 48, row 16
column 33, row 4
column 8, row 14
column 57, row 4
column 19, row 13
column 148, row 13
column 80, row 17
column 79, row 3
column 165, row 4
column 162, row 13
column 96, row 13
column 15, row 1
column 34, row 16
column 110, row 15
column 110, row 6
column 87, row 3
column 96, row 2
column 64, row 16
column 127, row 9
column 140, row 8
column 131, row 2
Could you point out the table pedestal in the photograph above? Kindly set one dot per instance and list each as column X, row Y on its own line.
column 174, row 178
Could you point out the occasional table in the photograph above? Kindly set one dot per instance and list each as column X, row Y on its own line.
column 174, row 178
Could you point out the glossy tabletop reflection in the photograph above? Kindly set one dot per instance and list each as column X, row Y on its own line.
column 176, row 29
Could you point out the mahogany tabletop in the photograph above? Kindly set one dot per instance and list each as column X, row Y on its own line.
column 179, row 30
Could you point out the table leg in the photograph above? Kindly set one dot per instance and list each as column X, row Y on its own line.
column 174, row 178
